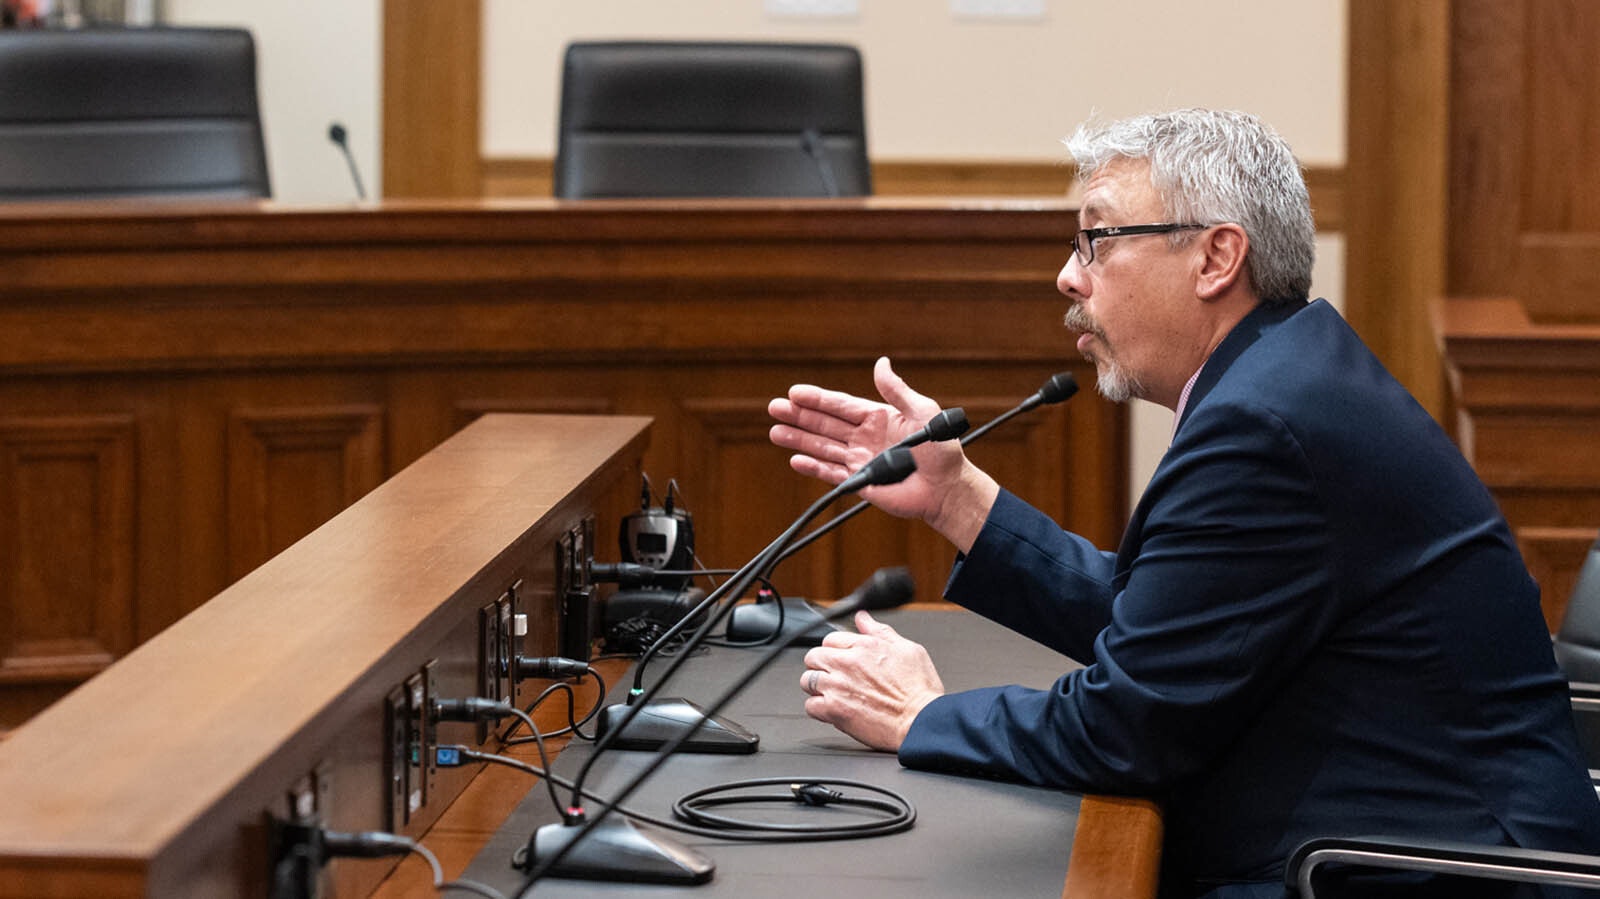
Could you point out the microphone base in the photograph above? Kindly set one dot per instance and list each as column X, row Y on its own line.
column 803, row 623
column 664, row 719
column 619, row 850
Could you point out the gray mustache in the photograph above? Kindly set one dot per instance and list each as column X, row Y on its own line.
column 1079, row 320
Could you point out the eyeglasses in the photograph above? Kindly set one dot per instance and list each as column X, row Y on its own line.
column 1083, row 242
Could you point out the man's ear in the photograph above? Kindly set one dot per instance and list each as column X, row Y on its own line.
column 1222, row 253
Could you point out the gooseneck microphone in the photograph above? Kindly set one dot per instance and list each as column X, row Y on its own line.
column 947, row 425
column 811, row 142
column 765, row 620
column 1060, row 388
column 596, row 847
column 759, row 622
column 336, row 133
column 643, row 723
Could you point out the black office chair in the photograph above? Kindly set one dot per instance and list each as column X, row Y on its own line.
column 651, row 119
column 1577, row 648
column 1322, row 856
column 1578, row 640
column 122, row 112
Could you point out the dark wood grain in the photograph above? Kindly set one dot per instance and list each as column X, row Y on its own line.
column 245, row 371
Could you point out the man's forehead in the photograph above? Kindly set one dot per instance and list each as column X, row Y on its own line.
column 1116, row 187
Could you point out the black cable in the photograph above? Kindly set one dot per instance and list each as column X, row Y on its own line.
column 378, row 844
column 899, row 813
column 544, row 757
column 573, row 723
column 478, row 708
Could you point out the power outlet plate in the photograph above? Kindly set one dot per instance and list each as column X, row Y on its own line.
column 508, row 607
column 574, row 558
column 430, row 731
column 491, row 660
column 421, row 739
column 397, row 757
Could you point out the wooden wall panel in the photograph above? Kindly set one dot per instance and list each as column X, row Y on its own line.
column 1487, row 99
column 278, row 363
column 1520, row 319
column 66, row 547
column 1558, row 274
column 291, row 469
column 209, row 727
column 1396, row 179
column 1529, row 398
column 1561, row 130
column 431, row 97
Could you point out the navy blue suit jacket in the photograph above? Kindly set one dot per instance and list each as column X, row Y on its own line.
column 1317, row 623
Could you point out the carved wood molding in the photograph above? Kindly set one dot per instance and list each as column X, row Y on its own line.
column 519, row 176
column 67, row 499
column 290, row 469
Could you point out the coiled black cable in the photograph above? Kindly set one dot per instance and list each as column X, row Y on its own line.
column 894, row 812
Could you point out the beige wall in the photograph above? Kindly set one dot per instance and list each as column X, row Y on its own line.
column 939, row 87
column 316, row 63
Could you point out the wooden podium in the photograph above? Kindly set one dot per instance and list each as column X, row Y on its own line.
column 156, row 777
column 1527, row 392
column 186, row 390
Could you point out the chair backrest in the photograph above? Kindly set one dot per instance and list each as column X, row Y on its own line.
column 130, row 112
column 1578, row 640
column 672, row 119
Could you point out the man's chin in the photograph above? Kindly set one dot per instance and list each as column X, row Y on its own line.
column 1114, row 384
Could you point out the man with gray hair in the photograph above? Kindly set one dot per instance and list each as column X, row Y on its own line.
column 1317, row 622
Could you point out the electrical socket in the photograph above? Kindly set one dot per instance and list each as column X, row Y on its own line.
column 306, row 809
column 492, row 663
column 421, row 739
column 397, row 757
column 509, row 606
column 574, row 558
column 430, row 730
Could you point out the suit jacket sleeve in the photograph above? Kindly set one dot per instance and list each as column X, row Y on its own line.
column 1221, row 586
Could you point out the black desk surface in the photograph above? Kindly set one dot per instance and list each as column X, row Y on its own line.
column 971, row 838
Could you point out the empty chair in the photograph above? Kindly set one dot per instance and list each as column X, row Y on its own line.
column 130, row 112
column 1465, row 861
column 654, row 119
column 1578, row 640
column 1577, row 646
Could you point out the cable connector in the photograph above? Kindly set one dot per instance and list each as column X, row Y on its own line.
column 472, row 708
column 365, row 844
column 815, row 794
column 628, row 574
column 550, row 667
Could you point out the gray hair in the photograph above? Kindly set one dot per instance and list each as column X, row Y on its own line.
column 1211, row 167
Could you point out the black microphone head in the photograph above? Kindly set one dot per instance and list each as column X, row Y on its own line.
column 886, row 588
column 336, row 133
column 891, row 466
column 948, row 424
column 1060, row 387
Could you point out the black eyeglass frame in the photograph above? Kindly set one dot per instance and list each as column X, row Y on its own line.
column 1087, row 236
